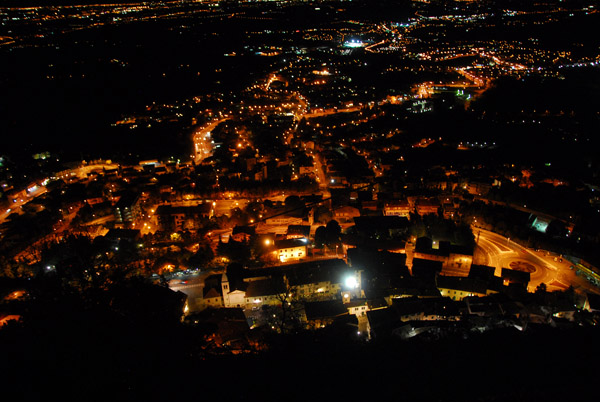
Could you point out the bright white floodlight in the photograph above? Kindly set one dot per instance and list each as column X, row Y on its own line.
column 351, row 282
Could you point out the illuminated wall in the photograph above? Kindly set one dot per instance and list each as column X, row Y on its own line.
column 291, row 253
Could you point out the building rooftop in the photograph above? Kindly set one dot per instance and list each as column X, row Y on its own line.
column 426, row 268
column 211, row 292
column 290, row 243
column 324, row 309
column 298, row 230
column 461, row 283
column 482, row 272
column 514, row 276
column 265, row 287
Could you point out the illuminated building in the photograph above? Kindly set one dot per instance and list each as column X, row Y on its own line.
column 233, row 294
column 212, row 299
column 345, row 214
column 397, row 208
column 427, row 206
column 290, row 249
column 458, row 288
column 127, row 209
column 455, row 260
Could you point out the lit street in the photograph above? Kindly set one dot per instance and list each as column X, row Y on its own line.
column 501, row 252
column 203, row 143
column 23, row 198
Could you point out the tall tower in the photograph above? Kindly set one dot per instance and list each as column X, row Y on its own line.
column 225, row 289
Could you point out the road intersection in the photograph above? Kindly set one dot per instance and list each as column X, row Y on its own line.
column 544, row 267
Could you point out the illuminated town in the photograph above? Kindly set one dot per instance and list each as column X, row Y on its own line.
column 216, row 189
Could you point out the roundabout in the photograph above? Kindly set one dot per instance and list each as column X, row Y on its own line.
column 497, row 251
column 524, row 266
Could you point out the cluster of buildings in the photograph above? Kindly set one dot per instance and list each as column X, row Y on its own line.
column 327, row 132
column 375, row 294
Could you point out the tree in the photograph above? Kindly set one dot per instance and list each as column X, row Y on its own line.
column 541, row 289
column 90, row 264
column 320, row 236
column 285, row 316
column 333, row 230
column 293, row 203
column 254, row 209
column 202, row 257
column 235, row 251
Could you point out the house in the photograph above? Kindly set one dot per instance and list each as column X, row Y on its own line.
column 309, row 281
column 345, row 214
column 290, row 249
column 397, row 208
column 457, row 288
column 269, row 291
column 298, row 232
column 314, row 285
column 460, row 259
column 426, row 206
column 212, row 299
column 320, row 279
column 357, row 307
column 455, row 259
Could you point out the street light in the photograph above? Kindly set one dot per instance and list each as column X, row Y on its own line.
column 351, row 282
